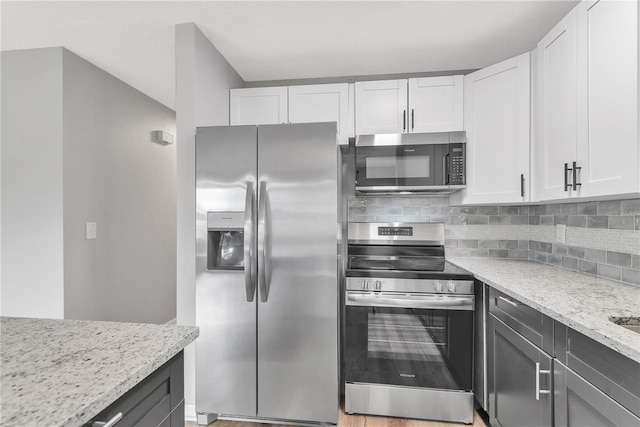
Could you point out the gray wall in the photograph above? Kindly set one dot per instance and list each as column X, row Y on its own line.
column 116, row 176
column 31, row 193
column 203, row 80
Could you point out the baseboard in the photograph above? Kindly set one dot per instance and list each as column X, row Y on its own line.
column 190, row 413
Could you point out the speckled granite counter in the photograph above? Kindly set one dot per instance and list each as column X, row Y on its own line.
column 580, row 301
column 64, row 372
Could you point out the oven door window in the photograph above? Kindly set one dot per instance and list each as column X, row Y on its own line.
column 401, row 165
column 409, row 347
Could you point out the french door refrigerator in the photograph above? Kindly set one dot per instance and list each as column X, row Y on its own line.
column 267, row 253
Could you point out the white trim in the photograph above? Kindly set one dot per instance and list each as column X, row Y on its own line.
column 190, row 413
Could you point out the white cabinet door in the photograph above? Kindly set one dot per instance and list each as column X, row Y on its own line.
column 258, row 106
column 436, row 104
column 381, row 107
column 608, row 97
column 554, row 133
column 321, row 103
column 496, row 119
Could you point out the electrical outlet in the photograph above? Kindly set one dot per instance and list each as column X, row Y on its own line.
column 92, row 230
column 561, row 233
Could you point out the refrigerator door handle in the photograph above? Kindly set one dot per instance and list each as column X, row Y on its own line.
column 249, row 244
column 264, row 243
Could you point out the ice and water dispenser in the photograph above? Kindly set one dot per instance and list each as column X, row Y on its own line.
column 225, row 240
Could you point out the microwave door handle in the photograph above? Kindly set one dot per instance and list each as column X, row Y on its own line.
column 249, row 244
column 372, row 301
column 445, row 169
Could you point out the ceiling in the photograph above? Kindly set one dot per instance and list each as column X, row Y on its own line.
column 274, row 40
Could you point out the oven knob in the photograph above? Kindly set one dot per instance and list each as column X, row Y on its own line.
column 362, row 284
column 377, row 285
column 438, row 286
column 451, row 286
column 366, row 284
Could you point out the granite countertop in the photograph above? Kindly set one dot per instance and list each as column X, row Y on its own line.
column 580, row 301
column 64, row 372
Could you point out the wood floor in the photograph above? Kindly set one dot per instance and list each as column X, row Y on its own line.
column 345, row 420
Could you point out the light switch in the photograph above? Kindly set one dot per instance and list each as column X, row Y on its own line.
column 561, row 233
column 92, row 230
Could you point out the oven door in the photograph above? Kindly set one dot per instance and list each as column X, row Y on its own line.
column 402, row 166
column 409, row 340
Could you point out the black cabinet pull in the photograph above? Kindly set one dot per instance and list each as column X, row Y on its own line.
column 404, row 120
column 566, row 181
column 576, row 168
column 413, row 121
column 521, row 185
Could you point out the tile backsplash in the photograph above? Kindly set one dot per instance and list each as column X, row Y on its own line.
column 602, row 238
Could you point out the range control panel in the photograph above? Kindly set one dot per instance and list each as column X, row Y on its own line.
column 395, row 231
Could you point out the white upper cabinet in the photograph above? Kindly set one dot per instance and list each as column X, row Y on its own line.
column 496, row 120
column 381, row 107
column 428, row 104
column 321, row 103
column 258, row 106
column 554, row 118
column 608, row 97
column 436, row 104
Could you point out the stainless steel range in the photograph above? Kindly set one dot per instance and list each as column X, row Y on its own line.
column 409, row 325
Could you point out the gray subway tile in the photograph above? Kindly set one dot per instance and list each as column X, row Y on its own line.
column 448, row 210
column 392, row 210
column 401, row 201
column 439, row 201
column 588, row 208
column 588, row 267
column 479, row 252
column 508, row 244
column 519, row 220
column 456, row 252
column 525, row 210
column 518, row 253
column 577, row 221
column 420, row 201
column 451, row 243
column 365, row 218
column 420, row 218
column 401, row 218
column 609, row 271
column 356, row 210
column 534, row 219
column 469, row 210
column 477, row 219
column 379, row 210
column 597, row 221
column 411, row 210
column 635, row 262
column 554, row 209
column 619, row 258
column 609, row 207
column 546, row 220
column 621, row 222
column 430, row 211
column 560, row 249
column 597, row 255
column 570, row 263
column 468, row 243
column 382, row 201
column 554, row 259
column 488, row 244
column 540, row 209
column 630, row 207
column 488, row 210
column 534, row 245
column 509, row 210
column 384, row 218
column 576, row 252
column 569, row 209
column 540, row 256
column 498, row 253
column 523, row 244
column 631, row 276
column 544, row 247
column 637, row 222
column 498, row 220
column 440, row 218
column 560, row 219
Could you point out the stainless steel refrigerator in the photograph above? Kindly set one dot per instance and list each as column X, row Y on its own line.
column 267, row 254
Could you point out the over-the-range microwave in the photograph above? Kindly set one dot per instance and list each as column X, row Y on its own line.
column 418, row 163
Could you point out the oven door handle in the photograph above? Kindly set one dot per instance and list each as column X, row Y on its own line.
column 452, row 303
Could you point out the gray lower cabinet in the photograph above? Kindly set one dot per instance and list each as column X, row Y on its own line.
column 579, row 404
column 519, row 379
column 158, row 400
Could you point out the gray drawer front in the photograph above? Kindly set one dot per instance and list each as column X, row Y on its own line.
column 530, row 323
column 578, row 403
column 614, row 374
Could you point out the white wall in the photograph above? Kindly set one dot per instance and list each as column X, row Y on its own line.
column 116, row 176
column 32, row 282
column 203, row 80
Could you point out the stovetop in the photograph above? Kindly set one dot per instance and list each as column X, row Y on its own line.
column 450, row 272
